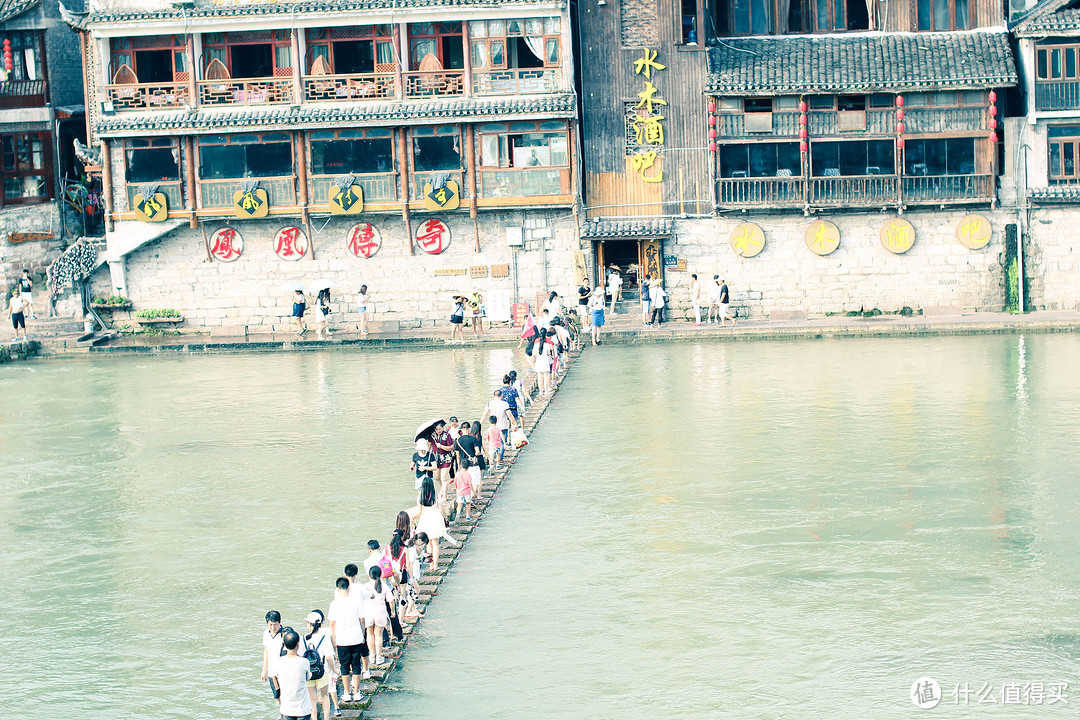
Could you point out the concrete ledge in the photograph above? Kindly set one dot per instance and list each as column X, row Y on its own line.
column 938, row 310
column 787, row 316
column 229, row 331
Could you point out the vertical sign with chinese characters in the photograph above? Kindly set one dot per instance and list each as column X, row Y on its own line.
column 648, row 121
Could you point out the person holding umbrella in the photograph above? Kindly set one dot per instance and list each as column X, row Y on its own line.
column 299, row 305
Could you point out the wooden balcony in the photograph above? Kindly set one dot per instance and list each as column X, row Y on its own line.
column 148, row 96
column 378, row 187
column 940, row 120
column 419, row 177
column 774, row 124
column 23, row 93
column 761, row 192
column 367, row 86
column 246, row 91
column 837, row 123
column 854, row 191
column 948, row 189
column 434, row 83
column 1057, row 94
column 524, row 182
column 516, row 82
column 219, row 193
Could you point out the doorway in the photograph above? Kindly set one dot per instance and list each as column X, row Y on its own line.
column 631, row 257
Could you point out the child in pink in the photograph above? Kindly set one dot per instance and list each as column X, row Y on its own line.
column 494, row 443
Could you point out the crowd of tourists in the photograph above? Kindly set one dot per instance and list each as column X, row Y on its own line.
column 374, row 596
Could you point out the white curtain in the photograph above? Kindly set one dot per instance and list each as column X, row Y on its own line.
column 536, row 46
column 480, row 55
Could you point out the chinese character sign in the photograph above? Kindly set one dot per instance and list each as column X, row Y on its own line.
column 651, row 258
column 648, row 121
column 226, row 244
column 290, row 243
column 822, row 237
column 448, row 197
column 153, row 208
column 363, row 240
column 251, row 203
column 747, row 240
column 974, row 232
column 897, row 236
column 346, row 201
column 433, row 236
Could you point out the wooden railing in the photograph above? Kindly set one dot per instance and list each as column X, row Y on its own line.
column 1057, row 94
column 419, row 177
column 784, row 124
column 437, row 83
column 23, row 93
column 854, row 190
column 378, row 187
column 868, row 122
column 171, row 191
column 219, row 193
column 148, row 96
column 525, row 182
column 250, row 91
column 760, row 192
column 516, row 81
column 938, row 120
column 367, row 86
column 935, row 189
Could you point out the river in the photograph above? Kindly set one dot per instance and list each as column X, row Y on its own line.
column 745, row 530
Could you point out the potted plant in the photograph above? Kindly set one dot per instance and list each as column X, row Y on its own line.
column 158, row 316
column 116, row 302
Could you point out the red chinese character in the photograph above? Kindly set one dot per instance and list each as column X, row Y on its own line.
column 227, row 245
column 432, row 235
column 362, row 240
column 290, row 244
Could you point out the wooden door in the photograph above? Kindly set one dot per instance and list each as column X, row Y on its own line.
column 650, row 259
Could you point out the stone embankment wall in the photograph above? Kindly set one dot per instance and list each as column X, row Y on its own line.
column 1052, row 259
column 34, row 255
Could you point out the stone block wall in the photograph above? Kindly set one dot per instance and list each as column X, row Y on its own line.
column 1052, row 259
column 860, row 274
column 176, row 272
column 35, row 255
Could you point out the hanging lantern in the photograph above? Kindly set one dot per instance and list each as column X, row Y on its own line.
column 802, row 119
column 802, row 133
column 900, row 127
column 993, row 110
column 993, row 123
column 712, row 120
column 712, row 147
column 900, row 114
column 712, row 133
column 900, row 143
column 993, row 96
column 993, row 137
column 802, row 106
column 712, row 106
column 899, row 101
column 802, row 146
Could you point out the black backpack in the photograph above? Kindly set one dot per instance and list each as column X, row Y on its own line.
column 315, row 659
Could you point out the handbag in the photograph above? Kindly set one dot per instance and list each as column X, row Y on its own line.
column 518, row 438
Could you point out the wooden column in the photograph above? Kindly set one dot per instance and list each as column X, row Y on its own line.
column 302, row 172
column 403, row 173
column 401, row 51
column 470, row 161
column 106, row 184
column 193, row 90
column 298, row 88
column 189, row 174
column 466, row 78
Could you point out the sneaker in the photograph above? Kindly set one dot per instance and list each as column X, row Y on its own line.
column 697, row 324
column 379, row 660
column 366, row 675
column 337, row 712
column 347, row 697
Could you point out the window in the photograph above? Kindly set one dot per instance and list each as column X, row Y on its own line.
column 689, row 29
column 1057, row 62
column 356, row 152
column 437, row 153
column 524, row 159
column 944, row 14
column 955, row 156
column 861, row 157
column 1064, row 142
column 151, row 59
column 759, row 160
column 517, row 44
column 245, row 156
column 441, row 41
column 26, row 55
column 750, row 17
column 152, row 161
column 26, row 168
column 351, row 50
column 250, row 54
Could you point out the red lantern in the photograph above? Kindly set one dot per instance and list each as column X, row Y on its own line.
column 993, row 110
column 900, row 143
column 900, row 114
column 802, row 132
column 712, row 120
column 712, row 133
column 712, row 106
column 803, row 146
column 802, row 119
column 993, row 124
column 712, row 147
column 802, row 106
column 993, row 137
column 899, row 101
column 993, row 96
column 900, row 127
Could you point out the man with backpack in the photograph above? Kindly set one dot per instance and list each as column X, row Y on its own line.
column 291, row 673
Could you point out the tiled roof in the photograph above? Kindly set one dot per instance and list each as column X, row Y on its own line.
column 205, row 121
column 644, row 228
column 1055, row 194
column 302, row 7
column 1021, row 23
column 18, row 7
column 875, row 62
column 1050, row 24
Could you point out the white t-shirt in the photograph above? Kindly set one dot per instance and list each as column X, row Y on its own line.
column 372, row 561
column 657, row 294
column 596, row 302
column 714, row 292
column 292, row 673
column 554, row 307
column 695, row 291
column 325, row 647
column 361, row 302
column 273, row 648
column 563, row 334
column 614, row 283
column 345, row 613
column 544, row 321
column 498, row 408
column 375, row 609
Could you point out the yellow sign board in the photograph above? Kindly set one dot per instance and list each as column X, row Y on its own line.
column 822, row 237
column 747, row 239
column 346, row 201
column 151, row 209
column 974, row 231
column 581, row 270
column 251, row 203
column 897, row 235
column 447, row 197
column 440, row 272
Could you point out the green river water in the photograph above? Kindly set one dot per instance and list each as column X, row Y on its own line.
column 713, row 530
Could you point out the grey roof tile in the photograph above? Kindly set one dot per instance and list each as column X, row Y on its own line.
column 1049, row 24
column 643, row 228
column 869, row 62
column 1055, row 194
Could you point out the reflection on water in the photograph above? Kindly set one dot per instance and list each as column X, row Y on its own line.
column 773, row 530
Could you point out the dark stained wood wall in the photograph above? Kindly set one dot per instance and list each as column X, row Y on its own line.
column 608, row 80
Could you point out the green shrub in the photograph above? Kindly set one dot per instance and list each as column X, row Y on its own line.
column 155, row 313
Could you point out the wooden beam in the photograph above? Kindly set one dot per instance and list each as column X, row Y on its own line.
column 403, row 171
column 466, row 78
column 106, row 184
column 193, row 91
column 402, row 57
column 189, row 173
column 470, row 169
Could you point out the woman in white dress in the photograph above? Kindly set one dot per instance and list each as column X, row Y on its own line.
column 431, row 521
column 363, row 298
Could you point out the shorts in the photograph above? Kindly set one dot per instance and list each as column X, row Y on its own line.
column 18, row 320
column 322, row 682
column 362, row 309
column 298, row 309
column 349, row 656
column 598, row 318
column 296, row 717
column 381, row 622
column 275, row 691
column 457, row 319
column 725, row 310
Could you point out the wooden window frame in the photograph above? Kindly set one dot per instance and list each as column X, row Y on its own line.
column 1058, row 143
column 439, row 33
column 45, row 171
column 968, row 25
column 1045, row 56
column 378, row 34
column 489, row 36
column 278, row 39
column 121, row 47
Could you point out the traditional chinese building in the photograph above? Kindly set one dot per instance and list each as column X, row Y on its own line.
column 822, row 157
column 420, row 147
column 41, row 105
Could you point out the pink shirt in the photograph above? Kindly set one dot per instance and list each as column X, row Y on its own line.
column 494, row 437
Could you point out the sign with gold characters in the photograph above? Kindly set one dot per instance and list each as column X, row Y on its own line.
column 822, row 237
column 448, row 197
column 253, row 203
column 346, row 200
column 747, row 239
column 151, row 208
column 897, row 235
column 974, row 231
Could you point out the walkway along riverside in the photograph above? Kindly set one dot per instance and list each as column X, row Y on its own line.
column 461, row 529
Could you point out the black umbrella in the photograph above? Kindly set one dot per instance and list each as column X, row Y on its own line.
column 425, row 430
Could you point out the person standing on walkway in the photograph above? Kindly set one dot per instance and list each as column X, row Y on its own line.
column 494, row 443
column 272, row 639
column 646, row 301
column 363, row 301
column 516, row 382
column 583, row 305
column 476, row 311
column 659, row 300
column 26, row 288
column 510, row 394
column 291, row 672
column 553, row 305
column 299, row 305
column 596, row 305
column 544, row 360
column 614, row 287
column 504, row 419
column 443, row 446
column 431, row 522
column 695, row 299
column 322, row 314
column 317, row 639
column 17, row 308
column 424, row 463
column 725, row 307
column 457, row 320
column 714, row 297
